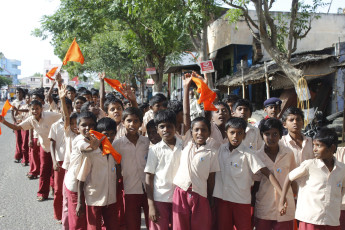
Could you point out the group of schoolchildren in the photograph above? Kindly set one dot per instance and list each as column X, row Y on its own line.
column 212, row 172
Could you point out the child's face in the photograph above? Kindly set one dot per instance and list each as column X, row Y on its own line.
column 293, row 123
column 153, row 135
column 132, row 124
column 85, row 125
column 94, row 109
column 70, row 95
column 242, row 112
column 271, row 137
column 221, row 116
column 19, row 95
column 157, row 107
column 230, row 104
column 27, row 99
column 35, row 97
column 88, row 97
column 78, row 104
column 321, row 151
column 200, row 133
column 115, row 112
column 127, row 105
column 73, row 125
column 36, row 110
column 110, row 135
column 272, row 110
column 235, row 136
column 166, row 131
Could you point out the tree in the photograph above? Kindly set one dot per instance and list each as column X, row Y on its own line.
column 278, row 35
column 5, row 81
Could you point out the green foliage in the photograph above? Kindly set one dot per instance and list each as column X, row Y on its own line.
column 5, row 81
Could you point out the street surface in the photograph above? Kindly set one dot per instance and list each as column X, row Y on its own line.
column 18, row 206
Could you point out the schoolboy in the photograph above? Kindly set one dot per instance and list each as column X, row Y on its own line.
column 71, row 92
column 232, row 188
column 231, row 100
column 78, row 103
column 152, row 133
column 85, row 122
column 114, row 109
column 272, row 107
column 340, row 156
column 243, row 109
column 87, row 94
column 133, row 148
column 219, row 119
column 302, row 146
column 157, row 102
column 58, row 149
column 95, row 96
column 41, row 122
column 162, row 163
column 177, row 108
column 321, row 183
column 97, row 178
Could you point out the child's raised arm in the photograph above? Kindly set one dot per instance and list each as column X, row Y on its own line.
column 62, row 95
column 9, row 125
column 187, row 79
column 101, row 90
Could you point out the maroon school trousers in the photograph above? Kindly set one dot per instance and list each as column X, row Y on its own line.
column 133, row 205
column 45, row 173
column 25, row 146
column 34, row 158
column 307, row 226
column 18, row 152
column 165, row 216
column 75, row 222
column 58, row 188
column 95, row 214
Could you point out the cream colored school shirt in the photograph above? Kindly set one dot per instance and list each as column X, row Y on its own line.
column 149, row 115
column 57, row 133
column 320, row 192
column 19, row 105
column 133, row 163
column 235, row 178
column 195, row 166
column 253, row 139
column 267, row 199
column 301, row 154
column 99, row 174
column 69, row 137
column 217, row 136
column 121, row 131
column 340, row 156
column 42, row 127
column 78, row 146
column 163, row 162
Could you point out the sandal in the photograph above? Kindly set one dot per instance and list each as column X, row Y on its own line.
column 41, row 198
column 32, row 177
column 17, row 160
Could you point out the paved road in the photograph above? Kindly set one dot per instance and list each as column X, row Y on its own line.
column 18, row 206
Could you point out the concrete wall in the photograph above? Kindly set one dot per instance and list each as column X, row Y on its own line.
column 48, row 66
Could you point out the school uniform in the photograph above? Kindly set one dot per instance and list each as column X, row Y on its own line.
column 56, row 133
column 133, row 164
column 99, row 174
column 71, row 183
column 340, row 156
column 22, row 151
column 217, row 136
column 163, row 162
column 301, row 154
column 319, row 194
column 25, row 136
column 233, row 186
column 42, row 128
column 121, row 131
column 267, row 198
column 253, row 139
column 191, row 209
column 34, row 155
column 149, row 115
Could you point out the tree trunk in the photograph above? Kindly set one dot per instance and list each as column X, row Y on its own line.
column 158, row 77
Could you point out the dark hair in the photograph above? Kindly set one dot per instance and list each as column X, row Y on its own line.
column 80, row 98
column 85, row 92
column 55, row 90
column 46, row 88
column 294, row 111
column 36, row 102
column 55, row 98
column 201, row 119
column 70, row 88
column 81, row 89
column 73, row 115
column 165, row 116
column 243, row 102
column 232, row 98
column 111, row 101
column 110, row 96
column 86, row 115
column 85, row 106
column 223, row 104
column 150, row 124
column 68, row 101
column 158, row 98
column 132, row 111
column 106, row 124
column 143, row 107
column 37, row 93
column 175, row 106
column 21, row 90
column 236, row 123
column 270, row 123
column 327, row 136
column 219, row 94
column 94, row 92
column 126, row 101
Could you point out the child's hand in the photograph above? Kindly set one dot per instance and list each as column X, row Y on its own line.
column 58, row 78
column 128, row 92
column 56, row 166
column 282, row 207
column 80, row 209
column 194, row 74
column 31, row 144
column 2, row 119
column 62, row 91
column 101, row 76
column 94, row 142
column 187, row 78
column 153, row 213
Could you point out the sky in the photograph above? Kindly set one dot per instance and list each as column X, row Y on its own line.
column 20, row 17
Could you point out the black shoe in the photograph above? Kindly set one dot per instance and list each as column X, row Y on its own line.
column 25, row 164
column 17, row 161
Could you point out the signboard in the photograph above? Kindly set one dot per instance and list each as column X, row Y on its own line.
column 151, row 71
column 206, row 67
column 150, row 81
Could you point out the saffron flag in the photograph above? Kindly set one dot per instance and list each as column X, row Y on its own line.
column 5, row 108
column 51, row 73
column 107, row 147
column 115, row 84
column 74, row 54
column 207, row 96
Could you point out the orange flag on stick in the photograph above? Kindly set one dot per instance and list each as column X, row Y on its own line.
column 51, row 73
column 116, row 84
column 207, row 96
column 107, row 147
column 74, row 54
column 5, row 108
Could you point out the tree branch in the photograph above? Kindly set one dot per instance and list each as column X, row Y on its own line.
column 269, row 20
column 244, row 11
column 294, row 8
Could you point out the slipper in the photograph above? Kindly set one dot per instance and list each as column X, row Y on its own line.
column 32, row 177
column 41, row 198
